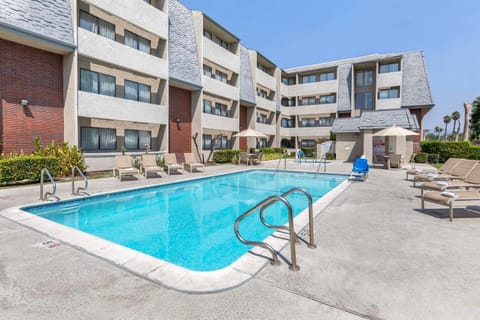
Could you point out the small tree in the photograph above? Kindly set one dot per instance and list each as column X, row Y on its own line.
column 446, row 120
column 456, row 118
column 438, row 131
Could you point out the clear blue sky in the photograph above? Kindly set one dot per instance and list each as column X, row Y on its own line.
column 302, row 32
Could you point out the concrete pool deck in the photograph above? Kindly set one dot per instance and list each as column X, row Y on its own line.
column 378, row 256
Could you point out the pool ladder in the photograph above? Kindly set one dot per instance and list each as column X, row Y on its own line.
column 284, row 158
column 46, row 195
column 80, row 190
column 267, row 202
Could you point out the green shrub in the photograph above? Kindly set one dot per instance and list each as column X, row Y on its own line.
column 67, row 156
column 224, row 156
column 20, row 168
column 474, row 153
column 308, row 151
column 421, row 157
column 279, row 150
column 330, row 156
column 433, row 157
column 271, row 156
column 449, row 149
column 267, row 150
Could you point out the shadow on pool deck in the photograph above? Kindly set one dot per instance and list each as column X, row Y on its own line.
column 378, row 256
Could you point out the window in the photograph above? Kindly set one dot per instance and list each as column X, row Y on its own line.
column 261, row 143
column 98, row 138
column 287, row 123
column 331, row 98
column 286, row 102
column 137, row 91
column 364, row 78
column 309, row 78
column 288, row 81
column 364, row 101
column 137, row 139
column 327, row 76
column 262, row 67
column 261, row 118
column 308, row 122
column 307, row 143
column 96, row 25
column 207, row 71
column 207, row 106
column 389, row 93
column 220, row 109
column 389, row 67
column 207, row 142
column 308, row 101
column 136, row 42
column 326, row 122
column 223, row 44
column 262, row 93
column 95, row 82
column 220, row 76
column 221, row 142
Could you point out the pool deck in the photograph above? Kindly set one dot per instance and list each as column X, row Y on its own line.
column 378, row 257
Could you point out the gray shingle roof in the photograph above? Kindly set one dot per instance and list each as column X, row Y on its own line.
column 377, row 120
column 247, row 92
column 415, row 86
column 49, row 19
column 182, row 46
column 344, row 95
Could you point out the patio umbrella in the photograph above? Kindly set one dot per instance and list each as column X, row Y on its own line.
column 395, row 131
column 250, row 133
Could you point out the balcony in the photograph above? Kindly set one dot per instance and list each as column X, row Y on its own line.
column 266, row 104
column 305, row 132
column 388, row 104
column 220, row 55
column 266, row 80
column 91, row 105
column 285, row 90
column 220, row 88
column 268, row 129
column 314, row 88
column 310, row 109
column 100, row 48
column 137, row 12
column 210, row 121
column 389, row 79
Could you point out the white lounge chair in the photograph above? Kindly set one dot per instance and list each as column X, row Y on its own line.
column 149, row 165
column 171, row 163
column 123, row 166
column 191, row 162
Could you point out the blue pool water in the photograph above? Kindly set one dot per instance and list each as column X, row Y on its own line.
column 189, row 223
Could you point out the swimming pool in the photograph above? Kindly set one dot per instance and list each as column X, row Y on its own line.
column 190, row 223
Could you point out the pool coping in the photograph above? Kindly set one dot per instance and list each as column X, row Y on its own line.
column 161, row 271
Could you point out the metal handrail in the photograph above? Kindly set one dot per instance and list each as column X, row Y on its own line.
column 54, row 185
column 323, row 160
column 284, row 158
column 75, row 168
column 267, row 202
column 311, row 243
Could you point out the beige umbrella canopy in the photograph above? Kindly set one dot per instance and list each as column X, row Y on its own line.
column 250, row 133
column 395, row 131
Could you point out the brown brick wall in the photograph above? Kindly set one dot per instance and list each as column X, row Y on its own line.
column 35, row 75
column 180, row 135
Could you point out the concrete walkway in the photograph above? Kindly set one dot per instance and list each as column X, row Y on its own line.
column 378, row 257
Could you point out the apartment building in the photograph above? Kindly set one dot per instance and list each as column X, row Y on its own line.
column 156, row 75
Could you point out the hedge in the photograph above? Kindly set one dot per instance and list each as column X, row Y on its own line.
column 308, row 151
column 451, row 149
column 421, row 157
column 272, row 150
column 21, row 168
column 271, row 156
column 224, row 156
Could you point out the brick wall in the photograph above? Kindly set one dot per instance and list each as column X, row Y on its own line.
column 180, row 134
column 35, row 75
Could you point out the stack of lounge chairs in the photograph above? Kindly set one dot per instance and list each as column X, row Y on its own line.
column 456, row 184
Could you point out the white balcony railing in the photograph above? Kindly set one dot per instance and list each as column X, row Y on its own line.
column 314, row 88
column 266, row 80
column 91, row 105
column 268, row 129
column 220, row 88
column 220, row 55
column 210, row 121
column 306, row 132
column 100, row 48
column 310, row 109
column 266, row 104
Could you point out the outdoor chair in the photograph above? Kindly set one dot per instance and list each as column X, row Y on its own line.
column 459, row 172
column 360, row 169
column 171, row 163
column 245, row 158
column 191, row 162
column 123, row 166
column 258, row 158
column 301, row 155
column 452, row 199
column 395, row 160
column 149, row 165
column 445, row 168
column 472, row 180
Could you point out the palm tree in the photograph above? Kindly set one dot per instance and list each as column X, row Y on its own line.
column 438, row 130
column 446, row 120
column 456, row 117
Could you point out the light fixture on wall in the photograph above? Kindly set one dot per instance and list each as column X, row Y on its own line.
column 24, row 102
column 178, row 120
